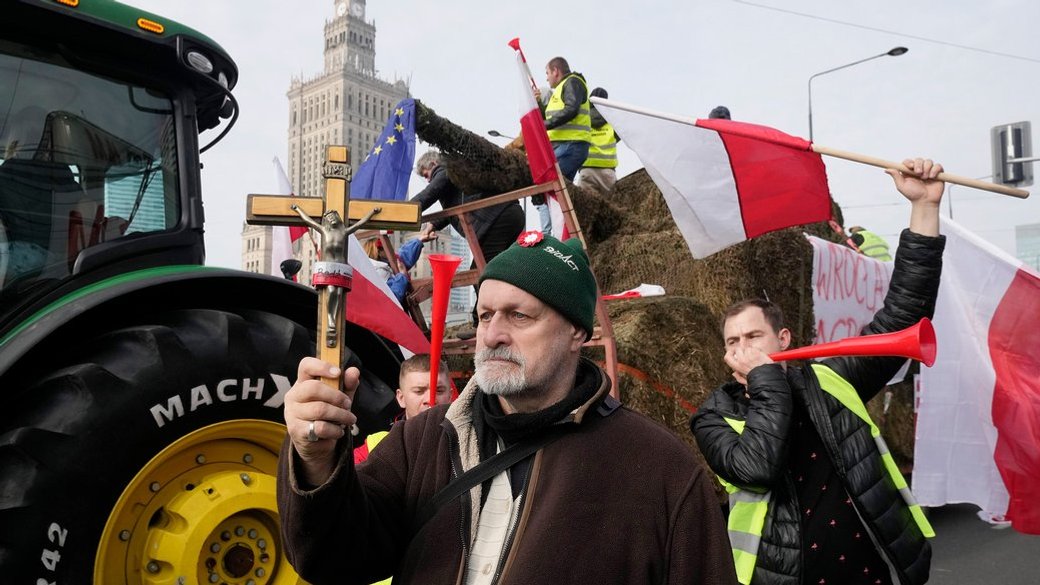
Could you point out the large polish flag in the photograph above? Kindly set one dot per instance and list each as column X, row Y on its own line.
column 282, row 237
column 540, row 156
column 724, row 181
column 978, row 425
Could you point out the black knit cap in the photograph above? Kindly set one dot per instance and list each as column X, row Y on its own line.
column 555, row 272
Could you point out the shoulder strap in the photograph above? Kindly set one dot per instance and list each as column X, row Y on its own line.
column 487, row 469
column 498, row 463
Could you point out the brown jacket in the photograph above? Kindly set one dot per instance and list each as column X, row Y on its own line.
column 618, row 499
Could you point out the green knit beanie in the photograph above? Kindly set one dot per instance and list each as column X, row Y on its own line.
column 555, row 272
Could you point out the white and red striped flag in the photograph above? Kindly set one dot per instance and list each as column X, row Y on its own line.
column 372, row 305
column 283, row 237
column 540, row 155
column 724, row 181
column 978, row 427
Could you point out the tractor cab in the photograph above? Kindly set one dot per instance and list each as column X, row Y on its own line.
column 101, row 106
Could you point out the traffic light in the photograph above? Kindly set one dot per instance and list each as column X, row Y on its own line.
column 1010, row 142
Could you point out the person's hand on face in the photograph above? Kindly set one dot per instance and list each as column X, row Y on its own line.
column 742, row 359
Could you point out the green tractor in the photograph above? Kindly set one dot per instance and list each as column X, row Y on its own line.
column 141, row 391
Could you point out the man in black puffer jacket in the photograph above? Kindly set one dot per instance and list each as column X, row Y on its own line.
column 814, row 495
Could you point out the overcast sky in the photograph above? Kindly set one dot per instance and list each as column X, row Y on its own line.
column 971, row 66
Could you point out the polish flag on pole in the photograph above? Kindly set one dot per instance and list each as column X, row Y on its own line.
column 282, row 237
column 540, row 156
column 978, row 427
column 373, row 306
column 724, row 181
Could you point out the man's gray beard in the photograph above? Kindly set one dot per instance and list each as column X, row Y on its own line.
column 507, row 383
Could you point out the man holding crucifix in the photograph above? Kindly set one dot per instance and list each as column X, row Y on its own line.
column 533, row 475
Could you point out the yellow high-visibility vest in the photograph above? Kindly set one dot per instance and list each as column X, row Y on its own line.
column 874, row 246
column 372, row 440
column 603, row 148
column 841, row 390
column 747, row 516
column 748, row 510
column 578, row 128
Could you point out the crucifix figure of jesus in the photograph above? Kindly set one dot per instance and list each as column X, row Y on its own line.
column 332, row 274
column 334, row 238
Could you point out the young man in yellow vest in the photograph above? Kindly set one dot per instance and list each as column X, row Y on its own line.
column 815, row 497
column 567, row 121
column 413, row 394
column 598, row 172
column 870, row 244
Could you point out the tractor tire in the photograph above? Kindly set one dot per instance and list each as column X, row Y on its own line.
column 148, row 454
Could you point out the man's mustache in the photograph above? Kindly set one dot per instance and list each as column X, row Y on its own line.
column 499, row 353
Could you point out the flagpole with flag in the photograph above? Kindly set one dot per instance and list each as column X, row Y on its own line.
column 724, row 181
column 540, row 156
column 283, row 237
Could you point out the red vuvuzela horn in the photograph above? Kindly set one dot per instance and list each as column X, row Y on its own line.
column 915, row 342
column 443, row 266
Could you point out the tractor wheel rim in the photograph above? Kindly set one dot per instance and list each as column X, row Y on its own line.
column 203, row 510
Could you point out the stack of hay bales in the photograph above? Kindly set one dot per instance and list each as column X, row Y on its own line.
column 670, row 347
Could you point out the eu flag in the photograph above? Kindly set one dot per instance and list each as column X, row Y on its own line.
column 386, row 169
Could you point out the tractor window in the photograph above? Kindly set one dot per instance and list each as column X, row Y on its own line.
column 84, row 160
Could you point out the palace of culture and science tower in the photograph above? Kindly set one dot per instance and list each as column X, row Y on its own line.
column 345, row 104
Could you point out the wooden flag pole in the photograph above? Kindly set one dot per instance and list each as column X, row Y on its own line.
column 834, row 152
column 945, row 177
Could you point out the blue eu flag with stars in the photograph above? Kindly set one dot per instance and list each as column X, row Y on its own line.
column 387, row 166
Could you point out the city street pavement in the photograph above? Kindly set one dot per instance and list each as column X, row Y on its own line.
column 967, row 550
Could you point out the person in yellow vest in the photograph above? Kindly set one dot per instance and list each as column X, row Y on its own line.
column 815, row 496
column 413, row 395
column 598, row 172
column 568, row 122
column 870, row 244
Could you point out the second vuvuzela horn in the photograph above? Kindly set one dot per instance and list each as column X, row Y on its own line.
column 443, row 266
column 915, row 342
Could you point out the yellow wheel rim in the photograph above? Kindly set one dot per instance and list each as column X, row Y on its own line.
column 201, row 511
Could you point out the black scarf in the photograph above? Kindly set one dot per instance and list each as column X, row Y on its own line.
column 490, row 423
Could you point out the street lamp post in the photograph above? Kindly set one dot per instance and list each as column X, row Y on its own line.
column 498, row 134
column 895, row 52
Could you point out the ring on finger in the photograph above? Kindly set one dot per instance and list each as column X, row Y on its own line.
column 311, row 435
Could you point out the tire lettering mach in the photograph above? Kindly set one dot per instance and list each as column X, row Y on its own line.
column 229, row 390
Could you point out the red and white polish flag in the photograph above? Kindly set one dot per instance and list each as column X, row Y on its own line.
column 282, row 237
column 978, row 427
column 540, row 156
column 724, row 181
column 372, row 305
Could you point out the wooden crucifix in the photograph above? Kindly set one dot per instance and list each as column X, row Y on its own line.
column 331, row 218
